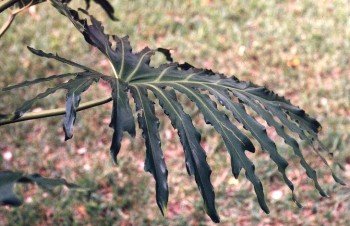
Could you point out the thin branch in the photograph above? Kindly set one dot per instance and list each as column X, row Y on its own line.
column 7, row 5
column 6, row 25
column 13, row 16
column 56, row 112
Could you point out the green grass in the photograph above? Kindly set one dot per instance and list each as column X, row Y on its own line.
column 299, row 49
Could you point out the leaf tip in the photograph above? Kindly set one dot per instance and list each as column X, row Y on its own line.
column 338, row 180
column 299, row 205
column 163, row 208
column 113, row 152
column 211, row 212
column 216, row 219
column 323, row 193
column 267, row 210
column 67, row 136
column 31, row 49
column 114, row 158
column 67, row 133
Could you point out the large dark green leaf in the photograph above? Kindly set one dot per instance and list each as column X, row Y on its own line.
column 8, row 179
column 132, row 71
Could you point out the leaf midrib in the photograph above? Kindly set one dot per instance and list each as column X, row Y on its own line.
column 204, row 83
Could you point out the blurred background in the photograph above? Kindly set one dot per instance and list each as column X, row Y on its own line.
column 299, row 49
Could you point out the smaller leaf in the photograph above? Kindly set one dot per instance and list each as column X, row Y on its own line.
column 27, row 105
column 7, row 195
column 8, row 179
column 72, row 103
column 108, row 8
column 36, row 81
column 58, row 58
column 49, row 183
column 122, row 117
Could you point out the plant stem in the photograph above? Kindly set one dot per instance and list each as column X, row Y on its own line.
column 12, row 15
column 7, row 5
column 7, row 24
column 56, row 112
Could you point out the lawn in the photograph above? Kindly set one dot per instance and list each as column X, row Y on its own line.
column 300, row 49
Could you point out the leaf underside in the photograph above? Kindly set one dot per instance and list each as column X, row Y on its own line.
column 134, row 74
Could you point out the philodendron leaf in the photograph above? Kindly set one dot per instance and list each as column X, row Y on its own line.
column 9, row 179
column 132, row 72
